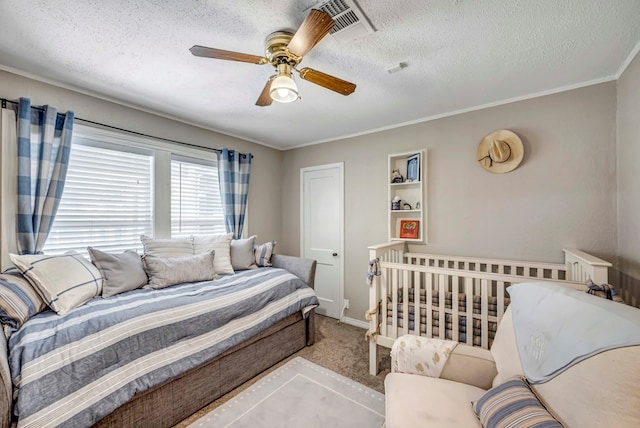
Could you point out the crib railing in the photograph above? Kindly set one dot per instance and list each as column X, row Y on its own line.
column 452, row 297
column 581, row 267
column 505, row 267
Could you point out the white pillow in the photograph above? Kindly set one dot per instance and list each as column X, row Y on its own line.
column 176, row 247
column 64, row 282
column 221, row 244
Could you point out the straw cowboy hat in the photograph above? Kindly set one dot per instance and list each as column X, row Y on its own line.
column 500, row 152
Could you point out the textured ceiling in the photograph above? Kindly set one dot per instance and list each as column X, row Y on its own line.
column 460, row 54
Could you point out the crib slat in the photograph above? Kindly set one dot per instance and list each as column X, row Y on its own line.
column 416, row 303
column 500, row 293
column 405, row 302
column 394, row 303
column 455, row 329
column 441, row 306
column 384, row 293
column 468, row 290
column 484, row 312
column 429, row 302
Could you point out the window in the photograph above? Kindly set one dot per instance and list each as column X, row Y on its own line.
column 195, row 198
column 107, row 201
column 119, row 187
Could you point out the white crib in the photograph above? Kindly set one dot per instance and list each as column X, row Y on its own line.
column 445, row 287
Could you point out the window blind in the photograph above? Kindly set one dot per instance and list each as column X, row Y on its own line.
column 196, row 207
column 107, row 201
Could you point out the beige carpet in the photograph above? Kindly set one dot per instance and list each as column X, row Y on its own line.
column 339, row 347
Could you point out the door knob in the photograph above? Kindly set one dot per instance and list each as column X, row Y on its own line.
column 335, row 254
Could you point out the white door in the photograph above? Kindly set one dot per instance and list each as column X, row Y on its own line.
column 321, row 232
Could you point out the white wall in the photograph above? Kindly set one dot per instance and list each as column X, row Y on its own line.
column 264, row 193
column 562, row 195
column 628, row 175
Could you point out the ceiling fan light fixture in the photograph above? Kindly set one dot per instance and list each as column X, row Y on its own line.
column 283, row 88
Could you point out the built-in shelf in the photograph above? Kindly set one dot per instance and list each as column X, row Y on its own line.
column 413, row 183
column 410, row 165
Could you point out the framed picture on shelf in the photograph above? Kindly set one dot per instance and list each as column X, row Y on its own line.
column 413, row 168
column 409, row 229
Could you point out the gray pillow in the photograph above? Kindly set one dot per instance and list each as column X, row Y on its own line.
column 121, row 272
column 167, row 271
column 242, row 257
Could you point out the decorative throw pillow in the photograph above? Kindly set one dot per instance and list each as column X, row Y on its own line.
column 221, row 244
column 242, row 257
column 263, row 252
column 121, row 272
column 64, row 282
column 176, row 247
column 512, row 404
column 166, row 271
column 18, row 300
column 605, row 291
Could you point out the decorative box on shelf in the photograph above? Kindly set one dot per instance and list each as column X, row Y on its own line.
column 407, row 196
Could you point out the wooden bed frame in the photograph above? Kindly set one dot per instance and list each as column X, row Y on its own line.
column 445, row 286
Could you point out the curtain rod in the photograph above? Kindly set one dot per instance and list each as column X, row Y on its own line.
column 244, row 155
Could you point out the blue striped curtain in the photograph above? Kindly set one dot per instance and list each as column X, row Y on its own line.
column 233, row 175
column 44, row 145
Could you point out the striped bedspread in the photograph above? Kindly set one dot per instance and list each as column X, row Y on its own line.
column 75, row 369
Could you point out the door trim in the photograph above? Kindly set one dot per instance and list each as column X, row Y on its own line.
column 340, row 166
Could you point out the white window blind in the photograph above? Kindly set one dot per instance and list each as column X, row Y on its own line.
column 195, row 198
column 107, row 201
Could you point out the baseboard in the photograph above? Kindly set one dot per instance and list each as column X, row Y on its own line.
column 355, row 322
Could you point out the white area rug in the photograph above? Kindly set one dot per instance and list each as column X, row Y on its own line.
column 300, row 394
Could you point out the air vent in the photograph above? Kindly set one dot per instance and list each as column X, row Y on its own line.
column 350, row 22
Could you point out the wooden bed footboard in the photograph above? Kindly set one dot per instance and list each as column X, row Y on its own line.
column 453, row 297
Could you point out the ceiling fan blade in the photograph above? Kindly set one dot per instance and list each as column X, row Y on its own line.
column 206, row 52
column 327, row 81
column 315, row 26
column 264, row 99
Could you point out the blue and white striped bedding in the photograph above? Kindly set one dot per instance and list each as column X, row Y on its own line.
column 75, row 369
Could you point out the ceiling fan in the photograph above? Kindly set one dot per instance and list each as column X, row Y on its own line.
column 284, row 51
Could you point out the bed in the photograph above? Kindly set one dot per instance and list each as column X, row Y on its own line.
column 168, row 370
column 459, row 298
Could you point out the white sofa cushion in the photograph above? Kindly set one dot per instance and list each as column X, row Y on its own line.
column 470, row 365
column 412, row 400
column 601, row 391
column 505, row 350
